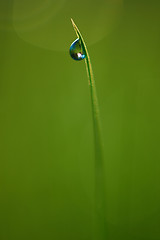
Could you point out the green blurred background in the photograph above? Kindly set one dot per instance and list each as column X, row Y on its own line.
column 46, row 135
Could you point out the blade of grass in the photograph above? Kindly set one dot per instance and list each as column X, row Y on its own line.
column 100, row 203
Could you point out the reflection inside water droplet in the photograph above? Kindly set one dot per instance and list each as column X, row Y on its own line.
column 76, row 50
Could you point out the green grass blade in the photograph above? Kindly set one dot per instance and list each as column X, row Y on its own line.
column 100, row 208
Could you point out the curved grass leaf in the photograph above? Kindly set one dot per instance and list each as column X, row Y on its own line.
column 100, row 203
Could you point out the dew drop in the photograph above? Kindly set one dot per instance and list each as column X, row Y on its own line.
column 76, row 50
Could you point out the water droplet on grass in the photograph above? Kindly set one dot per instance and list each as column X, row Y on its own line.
column 76, row 50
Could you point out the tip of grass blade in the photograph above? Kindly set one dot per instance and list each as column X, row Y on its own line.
column 75, row 28
column 74, row 25
column 72, row 21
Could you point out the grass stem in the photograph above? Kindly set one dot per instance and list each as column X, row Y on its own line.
column 100, row 203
